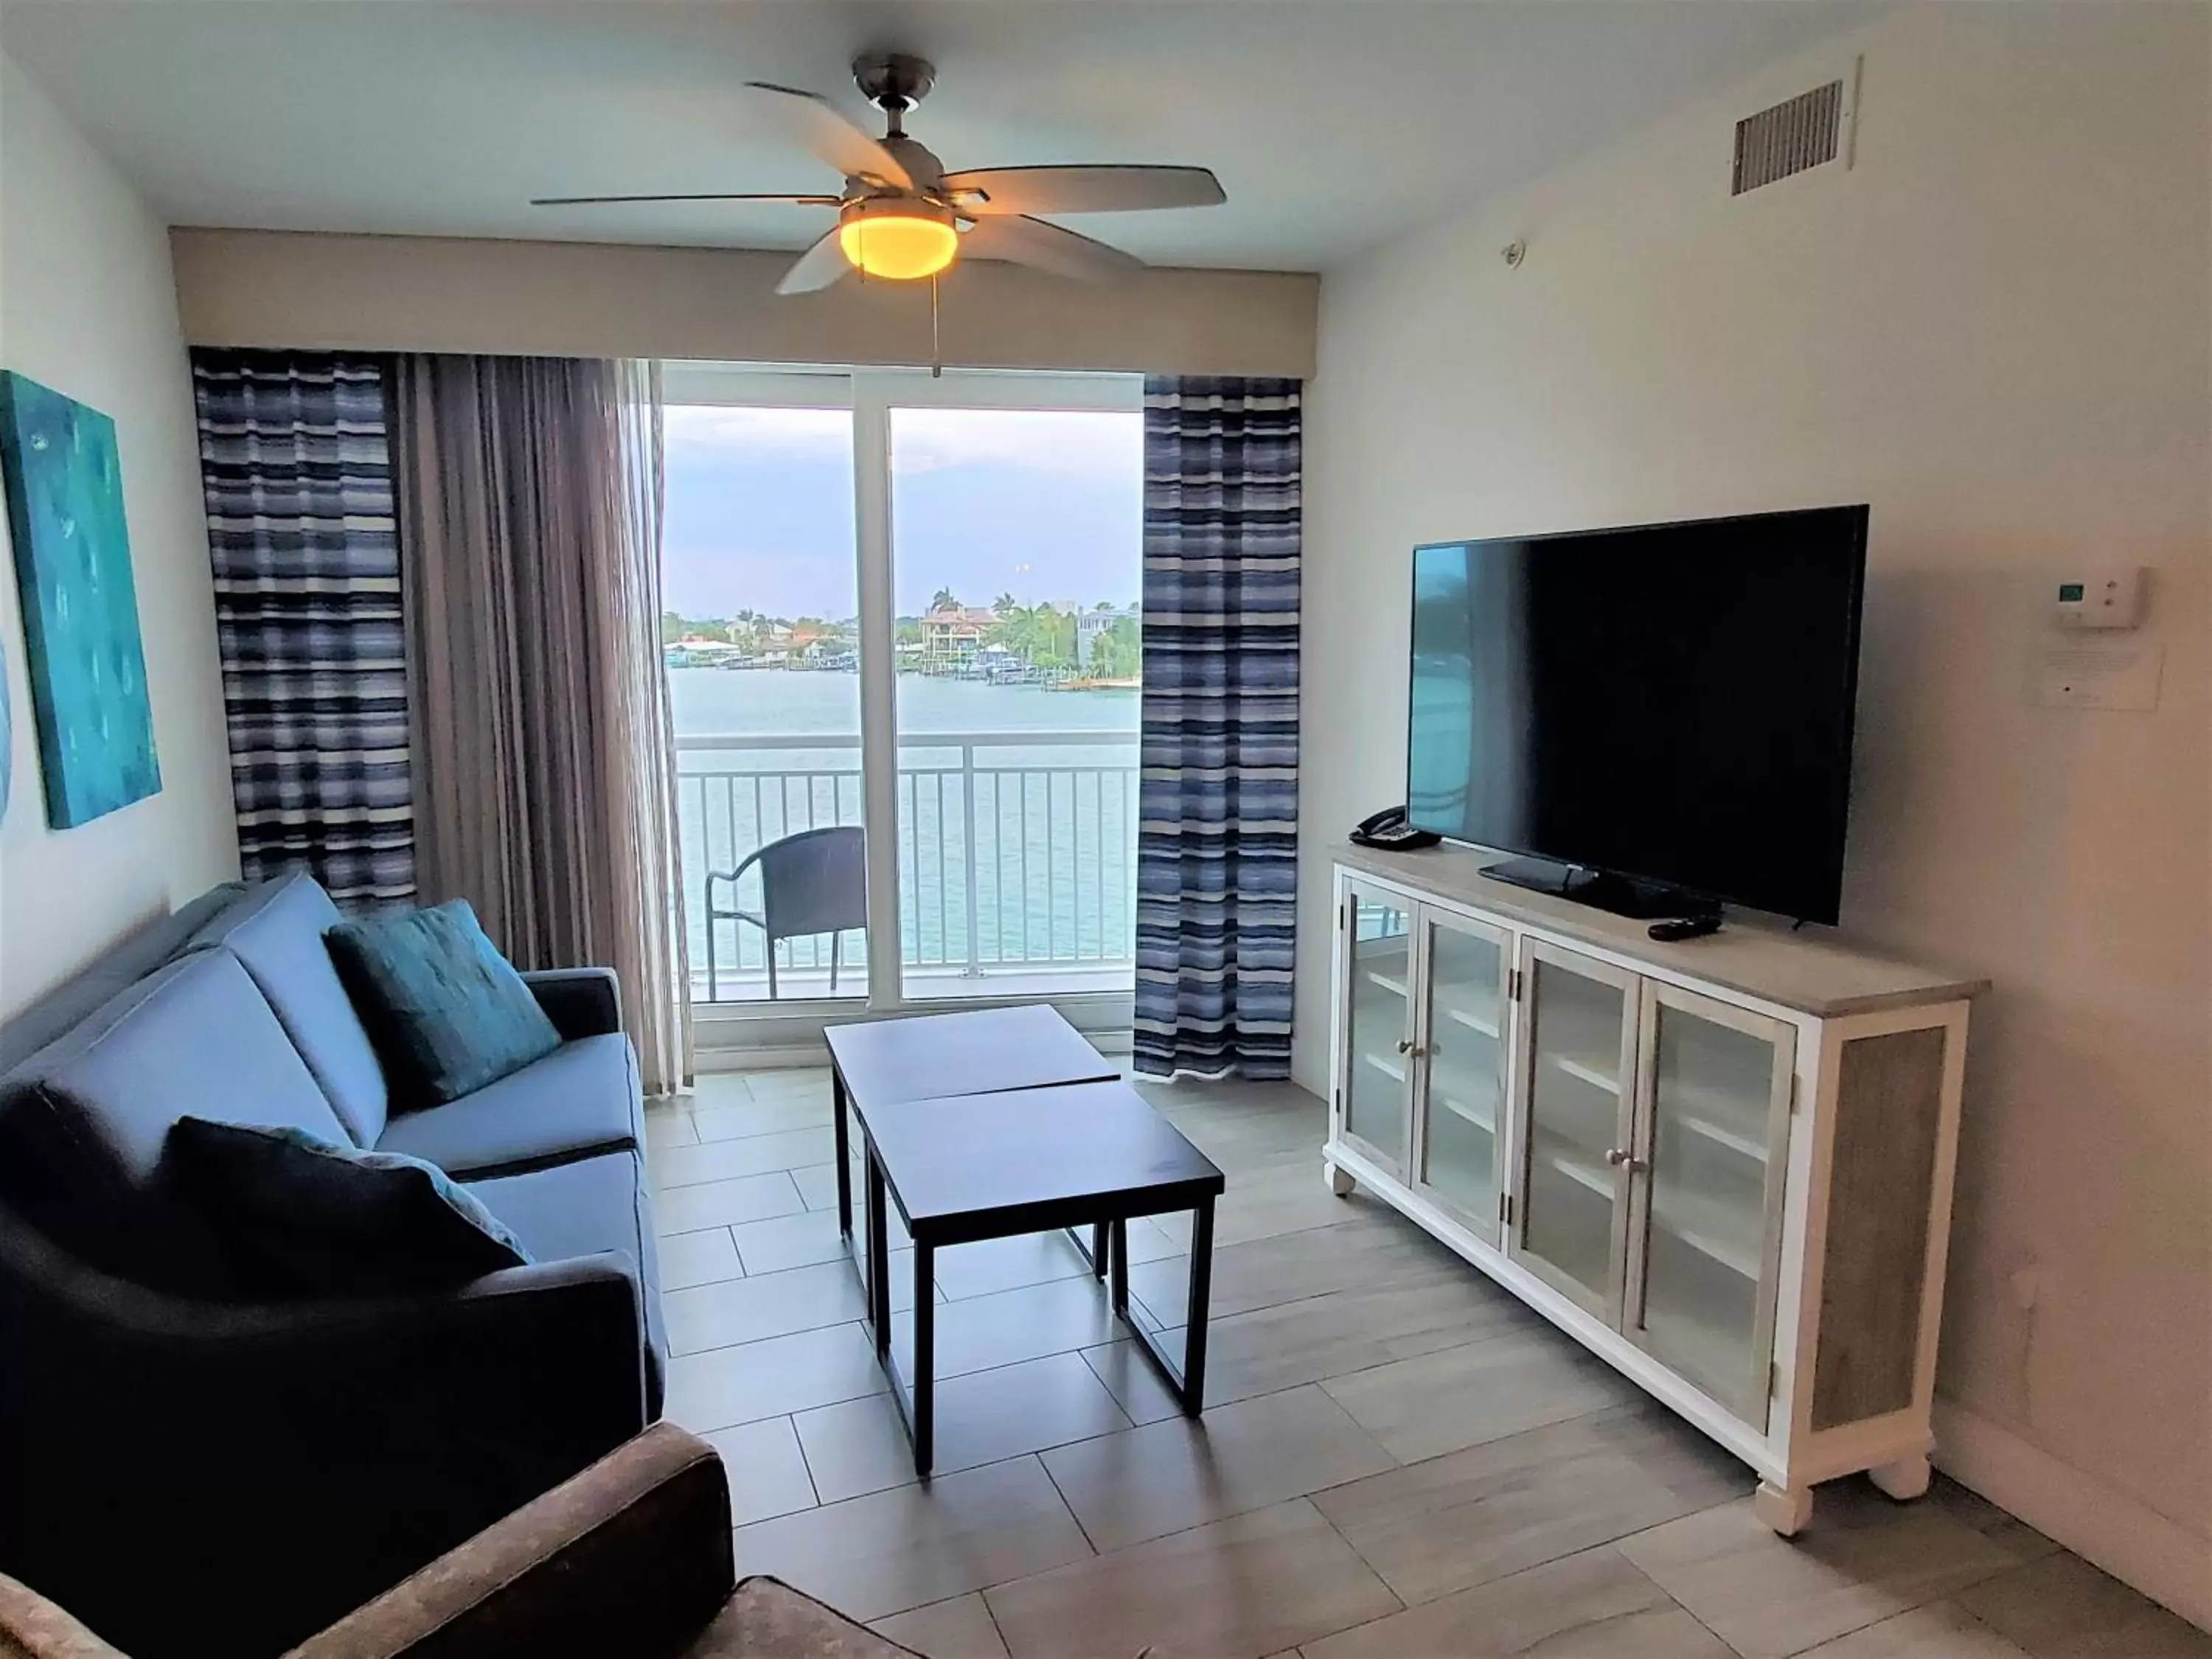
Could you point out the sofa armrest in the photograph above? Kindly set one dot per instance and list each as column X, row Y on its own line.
column 240, row 1476
column 580, row 1002
column 32, row 1627
column 631, row 1557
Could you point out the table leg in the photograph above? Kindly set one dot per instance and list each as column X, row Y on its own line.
column 844, row 1154
column 1201, row 1293
column 925, row 1354
column 878, row 1274
column 1098, row 1248
column 1118, row 1233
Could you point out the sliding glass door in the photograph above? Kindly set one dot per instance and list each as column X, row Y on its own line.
column 759, row 636
column 1015, row 559
column 902, row 636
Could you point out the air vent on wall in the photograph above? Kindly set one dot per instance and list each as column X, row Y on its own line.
column 1795, row 135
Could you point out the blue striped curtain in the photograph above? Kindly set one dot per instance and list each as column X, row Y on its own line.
column 295, row 462
column 1216, row 838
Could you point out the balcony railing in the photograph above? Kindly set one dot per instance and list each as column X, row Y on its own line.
column 1016, row 858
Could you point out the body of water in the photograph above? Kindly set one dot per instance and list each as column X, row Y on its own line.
column 1051, row 876
column 780, row 702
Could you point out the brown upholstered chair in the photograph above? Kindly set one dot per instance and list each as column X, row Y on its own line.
column 632, row 1557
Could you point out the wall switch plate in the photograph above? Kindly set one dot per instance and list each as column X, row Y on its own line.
column 2113, row 676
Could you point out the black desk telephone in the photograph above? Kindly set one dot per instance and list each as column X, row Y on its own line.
column 1389, row 831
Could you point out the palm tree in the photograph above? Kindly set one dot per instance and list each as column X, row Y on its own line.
column 943, row 600
column 1014, row 629
column 1006, row 605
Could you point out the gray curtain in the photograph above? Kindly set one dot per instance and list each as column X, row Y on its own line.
column 529, row 493
column 1218, row 831
column 296, row 467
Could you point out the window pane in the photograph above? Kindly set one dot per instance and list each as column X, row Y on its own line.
column 1378, row 1029
column 762, row 639
column 1016, row 538
column 1574, row 1123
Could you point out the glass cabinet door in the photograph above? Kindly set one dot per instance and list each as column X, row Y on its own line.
column 1378, row 1027
column 1713, row 1129
column 1578, row 1053
column 1461, row 1050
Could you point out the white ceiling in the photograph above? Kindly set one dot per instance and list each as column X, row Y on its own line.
column 1333, row 125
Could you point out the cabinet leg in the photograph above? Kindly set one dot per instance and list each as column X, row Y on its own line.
column 1784, row 1513
column 1339, row 1181
column 1905, row 1479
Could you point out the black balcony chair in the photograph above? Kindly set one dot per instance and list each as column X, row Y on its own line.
column 812, row 883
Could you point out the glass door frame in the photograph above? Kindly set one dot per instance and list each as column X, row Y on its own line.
column 1395, row 1162
column 1528, row 1018
column 1746, row 1395
column 871, row 393
column 1427, row 919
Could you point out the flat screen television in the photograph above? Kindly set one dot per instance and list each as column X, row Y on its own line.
column 1658, row 718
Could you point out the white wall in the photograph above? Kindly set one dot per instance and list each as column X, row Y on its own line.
column 257, row 288
column 1994, row 329
column 87, row 307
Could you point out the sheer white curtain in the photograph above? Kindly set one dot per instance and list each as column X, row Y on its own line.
column 664, row 1038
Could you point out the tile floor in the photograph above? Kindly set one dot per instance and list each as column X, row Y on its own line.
column 1397, row 1461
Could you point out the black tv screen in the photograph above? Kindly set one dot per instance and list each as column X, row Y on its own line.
column 1671, row 702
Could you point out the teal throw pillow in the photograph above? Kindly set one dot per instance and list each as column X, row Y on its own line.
column 444, row 1012
column 304, row 1217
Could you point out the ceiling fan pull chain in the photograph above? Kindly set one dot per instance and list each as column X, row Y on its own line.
column 936, row 346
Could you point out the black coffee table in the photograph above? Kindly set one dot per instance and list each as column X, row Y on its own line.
column 994, row 1165
column 978, row 1051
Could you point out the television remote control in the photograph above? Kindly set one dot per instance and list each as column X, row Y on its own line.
column 1684, row 927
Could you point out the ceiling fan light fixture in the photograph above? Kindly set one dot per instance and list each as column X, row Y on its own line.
column 897, row 238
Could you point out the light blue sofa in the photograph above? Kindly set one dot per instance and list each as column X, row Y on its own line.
column 191, row 1471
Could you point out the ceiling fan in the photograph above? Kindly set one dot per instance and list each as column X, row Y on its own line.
column 902, row 216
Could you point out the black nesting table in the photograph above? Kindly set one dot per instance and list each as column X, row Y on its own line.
column 992, row 1165
column 979, row 1051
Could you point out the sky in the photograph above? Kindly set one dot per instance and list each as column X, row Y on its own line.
column 1045, row 505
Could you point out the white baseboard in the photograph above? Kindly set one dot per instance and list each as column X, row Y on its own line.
column 781, row 1058
column 712, row 1057
column 2127, row 1539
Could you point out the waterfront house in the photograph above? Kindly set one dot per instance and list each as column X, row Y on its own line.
column 955, row 631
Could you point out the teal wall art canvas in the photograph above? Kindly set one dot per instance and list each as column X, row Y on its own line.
column 87, row 665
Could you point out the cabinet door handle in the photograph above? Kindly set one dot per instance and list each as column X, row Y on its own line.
column 1618, row 1156
column 1405, row 1045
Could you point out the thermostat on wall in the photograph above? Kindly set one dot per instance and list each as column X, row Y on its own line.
column 2104, row 596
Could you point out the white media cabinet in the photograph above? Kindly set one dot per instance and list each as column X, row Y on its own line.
column 1723, row 1165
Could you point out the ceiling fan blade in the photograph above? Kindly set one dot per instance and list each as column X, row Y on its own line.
column 1048, row 248
column 592, row 201
column 821, row 266
column 1084, row 189
column 829, row 135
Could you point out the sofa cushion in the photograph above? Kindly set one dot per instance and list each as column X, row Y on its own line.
column 581, row 1098
column 82, row 1122
column 446, row 1013
column 108, row 976
column 276, row 930
column 305, row 1217
column 590, row 1207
